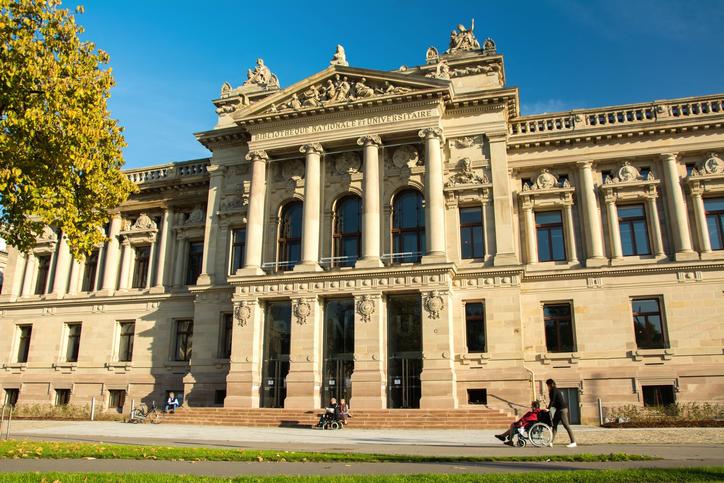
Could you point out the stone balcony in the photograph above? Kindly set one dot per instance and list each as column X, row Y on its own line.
column 168, row 173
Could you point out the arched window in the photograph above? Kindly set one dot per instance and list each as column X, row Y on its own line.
column 290, row 236
column 347, row 231
column 408, row 227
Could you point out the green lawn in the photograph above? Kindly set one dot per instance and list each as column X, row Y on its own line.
column 578, row 476
column 56, row 450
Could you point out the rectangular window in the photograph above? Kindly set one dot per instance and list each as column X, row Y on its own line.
column 62, row 397
column 549, row 233
column 193, row 269
column 648, row 324
column 11, row 397
column 89, row 272
column 24, row 334
column 73, row 345
column 475, row 326
column 558, row 328
column 658, row 395
column 238, row 250
column 140, row 269
column 714, row 208
column 227, row 326
column 471, row 233
column 43, row 271
column 477, row 396
column 125, row 343
column 182, row 340
column 634, row 230
column 116, row 399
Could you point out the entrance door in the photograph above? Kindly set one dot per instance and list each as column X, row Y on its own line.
column 338, row 349
column 404, row 347
column 574, row 410
column 277, row 338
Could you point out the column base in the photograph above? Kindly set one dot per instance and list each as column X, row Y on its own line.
column 241, row 402
column 249, row 271
column 371, row 262
column 204, row 279
column 596, row 262
column 106, row 292
column 434, row 258
column 368, row 390
column 53, row 296
column 157, row 289
column 685, row 256
column 303, row 392
column 439, row 389
column 307, row 267
column 503, row 259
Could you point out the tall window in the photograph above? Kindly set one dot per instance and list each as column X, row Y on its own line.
column 648, row 324
column 634, row 231
column 182, row 340
column 225, row 331
column 24, row 334
column 43, row 270
column 125, row 342
column 348, row 230
column 73, row 345
column 475, row 326
column 238, row 250
column 193, row 268
column 140, row 269
column 558, row 328
column 549, row 233
column 471, row 233
column 408, row 227
column 11, row 396
column 715, row 221
column 290, row 236
column 89, row 273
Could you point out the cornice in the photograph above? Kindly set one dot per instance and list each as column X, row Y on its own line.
column 92, row 300
column 672, row 267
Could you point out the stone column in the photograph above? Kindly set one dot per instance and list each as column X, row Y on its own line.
column 370, row 203
column 438, row 378
column 613, row 228
column 15, row 288
column 30, row 265
column 110, row 270
column 530, row 234
column 505, row 253
column 702, row 229
column 369, row 383
column 592, row 218
column 245, row 365
column 658, row 243
column 124, row 280
column 151, row 260
column 62, row 265
column 76, row 272
column 434, row 197
column 570, row 233
column 180, row 262
column 677, row 208
column 311, row 210
column 304, row 381
column 164, row 249
column 216, row 173
column 255, row 214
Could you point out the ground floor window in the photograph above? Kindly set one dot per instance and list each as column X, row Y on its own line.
column 11, row 397
column 62, row 397
column 658, row 395
column 477, row 396
column 116, row 399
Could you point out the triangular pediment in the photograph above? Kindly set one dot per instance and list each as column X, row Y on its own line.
column 338, row 86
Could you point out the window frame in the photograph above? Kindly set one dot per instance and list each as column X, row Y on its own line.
column 65, row 399
column 555, row 320
column 656, row 388
column 397, row 232
column 234, row 256
column 339, row 237
column 284, row 242
column 42, row 274
column 629, row 222
column 121, row 395
column 21, row 339
column 188, row 340
column 471, row 228
column 662, row 320
column 141, row 267
column 127, row 355
column 72, row 351
column 718, row 221
column 547, row 228
column 484, row 326
column 88, row 282
column 194, row 262
column 225, row 335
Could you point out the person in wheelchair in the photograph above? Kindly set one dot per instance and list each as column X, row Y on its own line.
column 532, row 416
column 331, row 414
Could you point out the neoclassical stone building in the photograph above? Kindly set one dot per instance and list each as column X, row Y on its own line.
column 401, row 239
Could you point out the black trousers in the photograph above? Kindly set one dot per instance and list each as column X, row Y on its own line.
column 561, row 416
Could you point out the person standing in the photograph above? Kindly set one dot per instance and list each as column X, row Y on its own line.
column 557, row 401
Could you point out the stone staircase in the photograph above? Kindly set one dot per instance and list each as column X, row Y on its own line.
column 479, row 418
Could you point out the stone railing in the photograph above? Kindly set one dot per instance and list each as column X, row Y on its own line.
column 169, row 171
column 628, row 115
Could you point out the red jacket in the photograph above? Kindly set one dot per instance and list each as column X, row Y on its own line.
column 529, row 417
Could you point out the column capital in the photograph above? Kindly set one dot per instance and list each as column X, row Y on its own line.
column 430, row 132
column 258, row 155
column 311, row 148
column 216, row 169
column 670, row 156
column 369, row 140
column 587, row 164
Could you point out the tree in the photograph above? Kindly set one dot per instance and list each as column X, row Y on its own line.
column 60, row 152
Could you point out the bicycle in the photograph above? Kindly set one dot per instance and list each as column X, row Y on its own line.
column 143, row 414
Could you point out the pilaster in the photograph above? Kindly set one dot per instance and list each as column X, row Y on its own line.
column 677, row 208
column 305, row 367
column 164, row 249
column 368, row 379
column 216, row 178
column 62, row 265
column 592, row 218
column 110, row 270
column 243, row 381
column 438, row 378
column 502, row 202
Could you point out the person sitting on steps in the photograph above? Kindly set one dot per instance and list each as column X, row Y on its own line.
column 172, row 403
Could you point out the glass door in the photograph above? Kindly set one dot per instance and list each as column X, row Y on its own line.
column 404, row 347
column 277, row 338
column 338, row 349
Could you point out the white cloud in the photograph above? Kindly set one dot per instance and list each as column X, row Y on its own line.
column 546, row 106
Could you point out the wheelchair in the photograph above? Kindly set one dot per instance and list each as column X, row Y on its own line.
column 538, row 434
column 328, row 420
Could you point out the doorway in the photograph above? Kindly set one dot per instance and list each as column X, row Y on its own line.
column 404, row 344
column 338, row 349
column 277, row 342
column 574, row 409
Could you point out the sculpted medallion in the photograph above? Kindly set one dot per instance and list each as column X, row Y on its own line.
column 347, row 163
column 434, row 304
column 405, row 156
column 293, row 169
column 366, row 308
column 243, row 313
column 302, row 310
column 713, row 164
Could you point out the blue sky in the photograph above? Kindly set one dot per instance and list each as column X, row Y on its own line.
column 170, row 58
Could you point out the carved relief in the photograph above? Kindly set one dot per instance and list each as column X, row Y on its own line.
column 197, row 217
column 293, row 169
column 347, row 163
column 339, row 57
column 713, row 164
column 144, row 223
column 442, row 71
column 48, row 235
column 434, row 304
column 462, row 39
column 466, row 141
column 302, row 310
column 432, row 55
column 405, row 156
column 365, row 307
column 243, row 312
column 466, row 175
column 261, row 76
column 546, row 181
column 489, row 46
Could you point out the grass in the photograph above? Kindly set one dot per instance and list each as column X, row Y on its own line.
column 577, row 476
column 59, row 450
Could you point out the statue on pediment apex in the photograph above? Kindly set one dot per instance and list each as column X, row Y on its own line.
column 432, row 55
column 225, row 89
column 462, row 39
column 261, row 76
column 340, row 57
column 489, row 46
column 442, row 71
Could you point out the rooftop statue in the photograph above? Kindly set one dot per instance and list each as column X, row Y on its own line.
column 339, row 58
column 463, row 39
column 261, row 76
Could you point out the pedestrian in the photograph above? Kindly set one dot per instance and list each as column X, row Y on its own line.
column 557, row 401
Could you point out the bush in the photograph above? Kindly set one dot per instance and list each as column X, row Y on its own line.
column 657, row 415
column 69, row 412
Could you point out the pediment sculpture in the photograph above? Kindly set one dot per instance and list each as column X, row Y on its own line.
column 462, row 39
column 347, row 163
column 261, row 76
column 442, row 71
column 432, row 55
column 405, row 155
column 339, row 57
column 337, row 90
column 144, row 223
column 713, row 165
column 489, row 46
column 466, row 175
column 47, row 235
column 628, row 173
column 546, row 181
column 197, row 217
